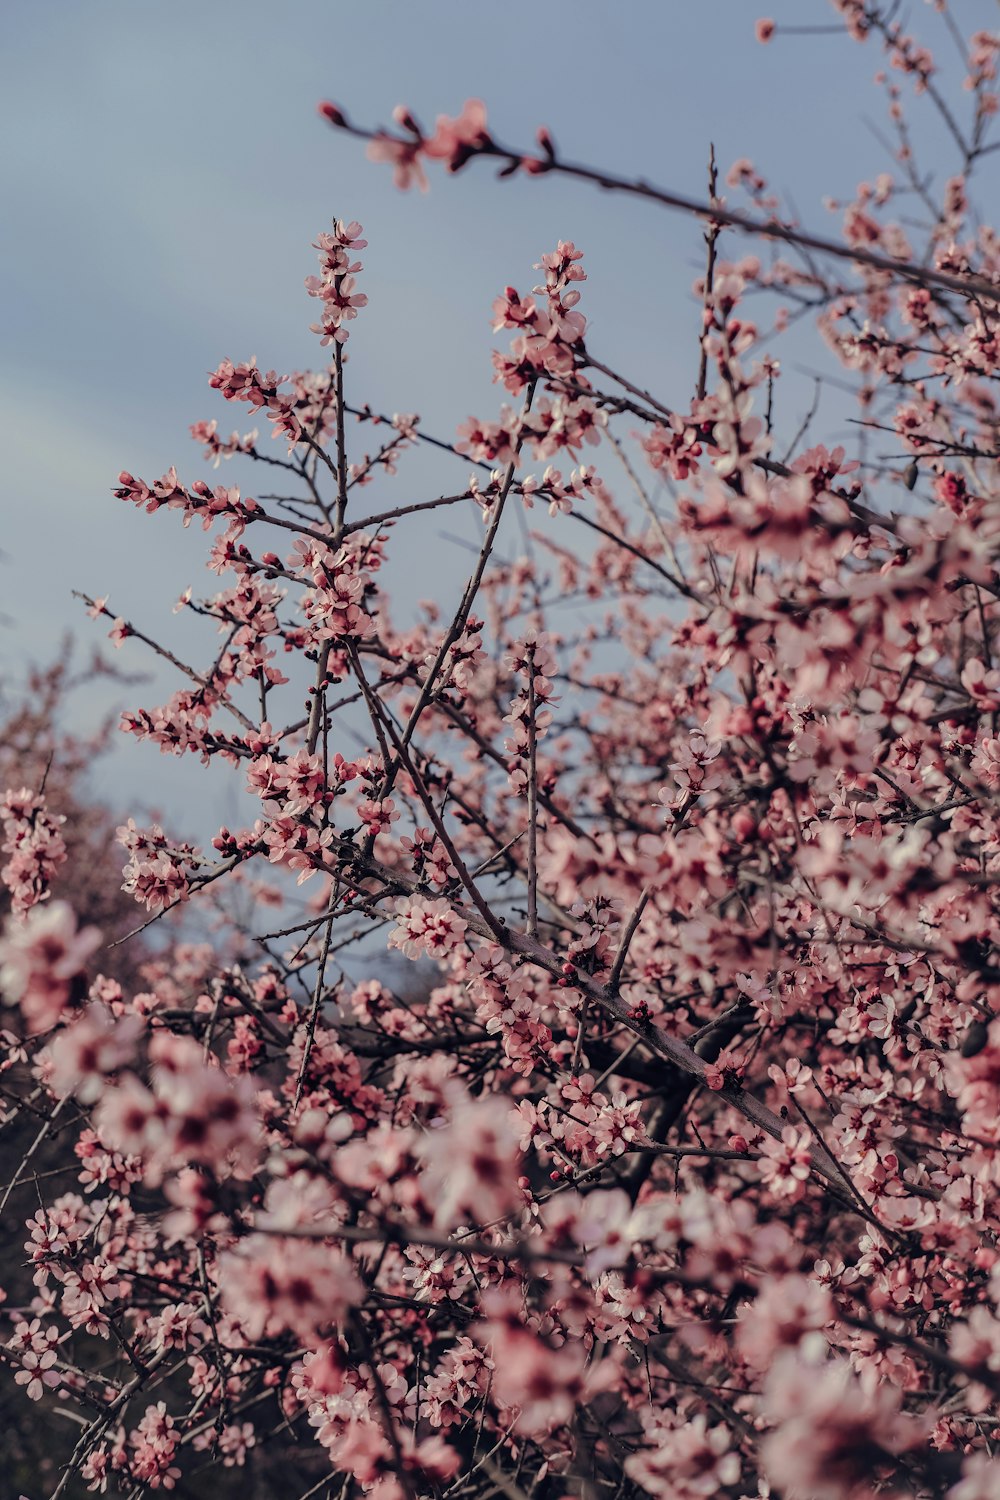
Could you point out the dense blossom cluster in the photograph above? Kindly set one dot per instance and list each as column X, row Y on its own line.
column 35, row 844
column 671, row 1168
column 335, row 286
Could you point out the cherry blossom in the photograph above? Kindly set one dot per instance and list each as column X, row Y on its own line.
column 576, row 1069
column 42, row 961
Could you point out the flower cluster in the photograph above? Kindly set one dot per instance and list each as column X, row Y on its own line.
column 201, row 501
column 218, row 448
column 36, row 847
column 159, row 870
column 336, row 282
column 427, row 926
column 529, row 718
column 191, row 1113
column 666, row 1165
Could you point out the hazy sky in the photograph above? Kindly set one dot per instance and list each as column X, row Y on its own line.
column 165, row 173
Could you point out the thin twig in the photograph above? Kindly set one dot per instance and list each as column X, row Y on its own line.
column 532, row 919
column 711, row 238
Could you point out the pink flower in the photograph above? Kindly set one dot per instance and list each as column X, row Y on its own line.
column 335, row 287
column 36, row 1348
column 785, row 1165
column 980, row 1478
column 685, row 1461
column 41, row 961
column 271, row 1282
column 426, row 927
column 193, row 1114
column 610, row 1227
column 538, row 1384
column 471, row 1163
column 82, row 1055
column 831, row 1435
column 403, row 157
column 786, row 1311
column 455, row 141
column 35, row 845
column 154, row 1444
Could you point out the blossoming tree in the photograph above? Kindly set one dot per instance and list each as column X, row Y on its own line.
column 679, row 1176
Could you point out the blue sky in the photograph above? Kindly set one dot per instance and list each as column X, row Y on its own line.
column 165, row 174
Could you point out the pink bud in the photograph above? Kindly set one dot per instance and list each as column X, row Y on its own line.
column 744, row 824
